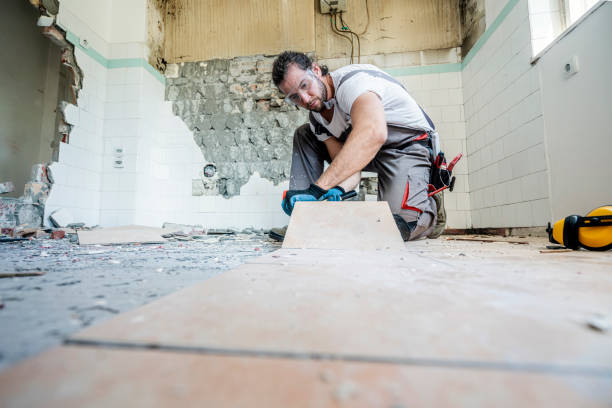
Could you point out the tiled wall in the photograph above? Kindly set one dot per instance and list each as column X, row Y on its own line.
column 508, row 175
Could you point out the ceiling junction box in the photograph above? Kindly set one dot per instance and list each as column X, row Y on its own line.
column 329, row 6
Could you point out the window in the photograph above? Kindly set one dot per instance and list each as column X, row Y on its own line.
column 549, row 18
column 574, row 9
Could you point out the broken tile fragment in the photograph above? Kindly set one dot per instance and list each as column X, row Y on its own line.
column 58, row 234
column 61, row 218
column 7, row 187
column 36, row 192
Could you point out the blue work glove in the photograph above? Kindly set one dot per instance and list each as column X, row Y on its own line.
column 333, row 194
column 312, row 193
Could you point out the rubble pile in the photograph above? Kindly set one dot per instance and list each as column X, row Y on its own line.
column 25, row 212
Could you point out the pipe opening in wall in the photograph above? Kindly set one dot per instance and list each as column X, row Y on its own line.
column 210, row 170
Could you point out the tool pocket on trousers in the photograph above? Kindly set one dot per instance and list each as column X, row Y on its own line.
column 415, row 193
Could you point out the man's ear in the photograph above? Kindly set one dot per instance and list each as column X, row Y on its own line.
column 316, row 68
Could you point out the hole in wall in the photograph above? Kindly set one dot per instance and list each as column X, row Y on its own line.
column 44, row 78
column 209, row 170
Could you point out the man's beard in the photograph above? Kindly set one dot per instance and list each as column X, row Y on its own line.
column 323, row 98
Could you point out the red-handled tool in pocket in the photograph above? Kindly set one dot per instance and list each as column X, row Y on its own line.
column 442, row 174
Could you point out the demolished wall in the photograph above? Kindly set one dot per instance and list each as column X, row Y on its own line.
column 238, row 120
column 58, row 87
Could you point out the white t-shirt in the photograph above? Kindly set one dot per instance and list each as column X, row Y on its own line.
column 400, row 108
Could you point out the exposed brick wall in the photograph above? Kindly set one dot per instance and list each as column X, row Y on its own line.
column 238, row 119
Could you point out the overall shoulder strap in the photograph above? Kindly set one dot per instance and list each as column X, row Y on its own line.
column 319, row 129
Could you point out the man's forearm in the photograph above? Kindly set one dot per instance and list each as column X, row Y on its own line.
column 356, row 153
column 352, row 182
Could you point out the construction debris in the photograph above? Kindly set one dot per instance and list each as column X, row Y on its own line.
column 171, row 228
column 28, row 215
column 58, row 234
column 600, row 323
column 17, row 212
column 10, row 239
column 36, row 192
column 61, row 218
column 41, row 312
column 121, row 235
column 477, row 239
column 7, row 187
column 8, row 207
column 20, row 274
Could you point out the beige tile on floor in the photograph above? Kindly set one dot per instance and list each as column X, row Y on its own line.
column 377, row 311
column 82, row 377
column 358, row 225
column 121, row 235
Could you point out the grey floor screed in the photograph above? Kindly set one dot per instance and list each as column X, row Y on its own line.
column 83, row 285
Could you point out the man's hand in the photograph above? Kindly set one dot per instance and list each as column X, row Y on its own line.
column 312, row 193
column 333, row 194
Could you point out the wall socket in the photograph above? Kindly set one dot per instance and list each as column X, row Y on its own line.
column 571, row 66
column 118, row 158
column 328, row 6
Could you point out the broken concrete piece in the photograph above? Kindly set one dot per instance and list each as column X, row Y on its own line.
column 121, row 235
column 26, row 232
column 28, row 215
column 76, row 225
column 36, row 192
column 45, row 21
column 183, row 229
column 600, row 323
column 61, row 218
column 71, row 113
column 8, row 206
column 7, row 187
column 39, row 173
column 41, row 234
column 220, row 231
column 10, row 232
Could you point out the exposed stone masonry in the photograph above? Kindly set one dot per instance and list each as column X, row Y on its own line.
column 238, row 118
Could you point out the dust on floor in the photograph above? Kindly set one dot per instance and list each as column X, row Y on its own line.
column 82, row 285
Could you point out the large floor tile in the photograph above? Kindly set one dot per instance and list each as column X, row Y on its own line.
column 81, row 377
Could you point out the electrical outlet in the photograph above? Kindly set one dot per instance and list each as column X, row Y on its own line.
column 571, row 66
column 118, row 157
column 327, row 6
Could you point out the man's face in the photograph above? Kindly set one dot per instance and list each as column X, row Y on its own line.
column 304, row 88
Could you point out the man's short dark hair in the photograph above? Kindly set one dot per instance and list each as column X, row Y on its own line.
column 282, row 62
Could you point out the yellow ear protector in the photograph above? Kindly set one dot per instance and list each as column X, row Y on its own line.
column 594, row 231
